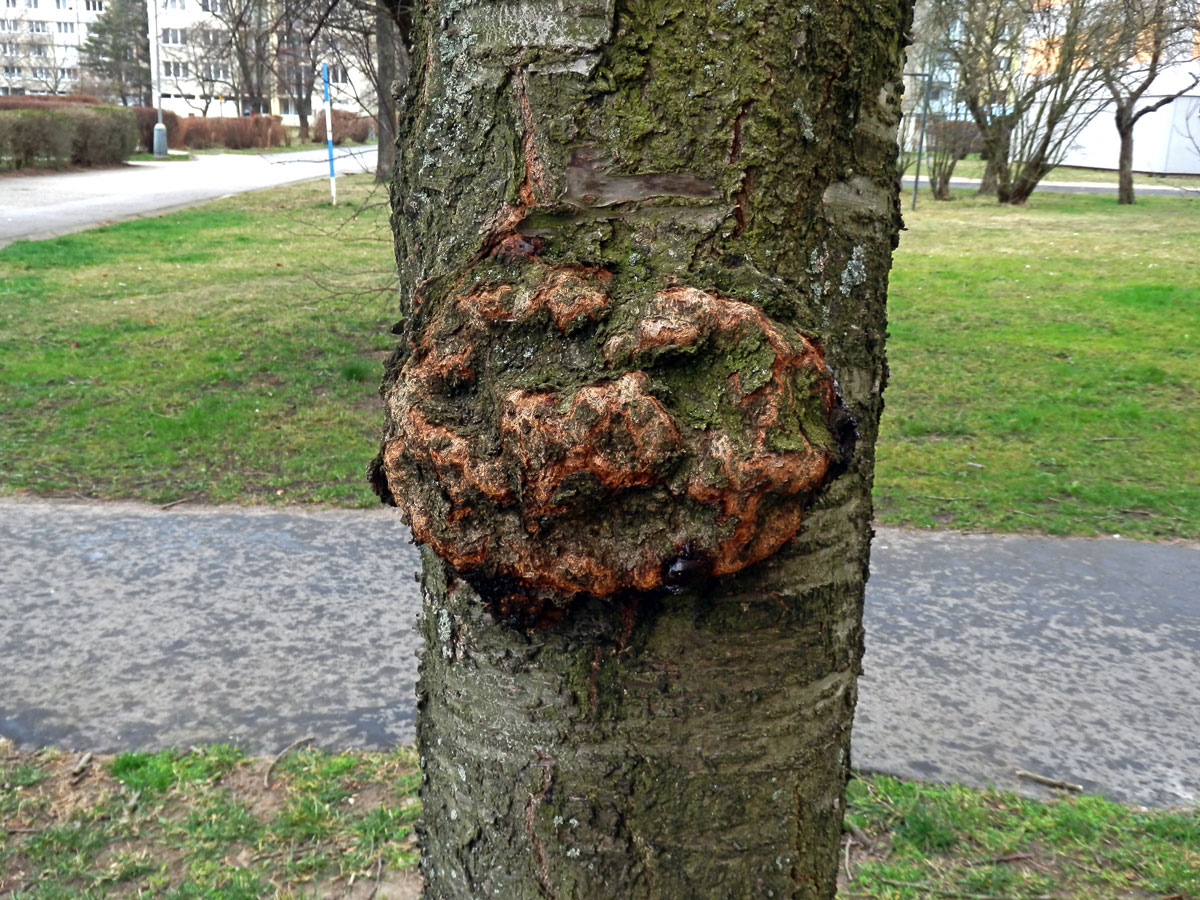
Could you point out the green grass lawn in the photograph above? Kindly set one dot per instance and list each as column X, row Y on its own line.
column 295, row 146
column 1045, row 368
column 209, row 823
column 1045, row 360
column 170, row 157
column 230, row 352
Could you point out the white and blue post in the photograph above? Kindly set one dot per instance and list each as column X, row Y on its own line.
column 329, row 132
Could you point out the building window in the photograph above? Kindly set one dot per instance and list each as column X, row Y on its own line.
column 337, row 75
column 175, row 69
column 172, row 4
column 215, row 72
column 68, row 74
column 211, row 6
column 62, row 4
column 8, row 50
column 9, row 25
column 38, row 28
column 32, row 4
column 10, row 4
column 66, row 27
column 94, row 5
column 174, row 35
column 37, row 50
column 12, row 71
column 43, row 73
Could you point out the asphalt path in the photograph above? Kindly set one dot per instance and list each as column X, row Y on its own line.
column 1065, row 187
column 126, row 626
column 33, row 207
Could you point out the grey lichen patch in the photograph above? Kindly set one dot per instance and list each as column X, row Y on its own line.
column 855, row 272
column 445, row 633
column 806, row 122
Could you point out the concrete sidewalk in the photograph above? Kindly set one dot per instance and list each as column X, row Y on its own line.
column 1141, row 188
column 34, row 207
column 127, row 626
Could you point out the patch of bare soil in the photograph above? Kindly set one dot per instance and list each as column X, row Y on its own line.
column 245, row 783
column 404, row 885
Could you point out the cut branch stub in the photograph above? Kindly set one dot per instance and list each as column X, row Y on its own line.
column 549, row 440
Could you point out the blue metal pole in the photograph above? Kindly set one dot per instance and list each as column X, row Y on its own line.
column 329, row 132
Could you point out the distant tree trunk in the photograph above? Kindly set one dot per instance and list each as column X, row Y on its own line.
column 643, row 259
column 387, row 73
column 1125, row 123
column 308, row 83
column 990, row 183
column 939, row 181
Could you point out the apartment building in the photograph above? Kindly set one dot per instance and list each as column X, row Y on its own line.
column 265, row 69
column 190, row 48
column 39, row 45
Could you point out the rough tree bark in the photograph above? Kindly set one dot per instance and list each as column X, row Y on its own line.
column 643, row 251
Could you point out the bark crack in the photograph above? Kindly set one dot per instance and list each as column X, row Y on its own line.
column 546, row 763
column 735, row 147
column 504, row 223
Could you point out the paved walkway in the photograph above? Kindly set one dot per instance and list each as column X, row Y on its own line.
column 1140, row 188
column 126, row 626
column 33, row 207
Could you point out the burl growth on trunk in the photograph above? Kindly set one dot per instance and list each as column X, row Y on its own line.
column 649, row 440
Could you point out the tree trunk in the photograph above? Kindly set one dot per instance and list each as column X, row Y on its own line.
column 1125, row 160
column 990, row 183
column 643, row 260
column 386, row 74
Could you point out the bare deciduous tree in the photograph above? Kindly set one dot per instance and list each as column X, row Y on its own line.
column 1138, row 39
column 371, row 36
column 44, row 62
column 1024, row 73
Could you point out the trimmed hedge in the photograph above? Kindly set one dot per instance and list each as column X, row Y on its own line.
column 346, row 127
column 42, row 101
column 232, row 133
column 104, row 135
column 59, row 134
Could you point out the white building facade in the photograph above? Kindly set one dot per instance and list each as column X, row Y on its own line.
column 190, row 64
column 198, row 74
column 1165, row 142
column 39, row 45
